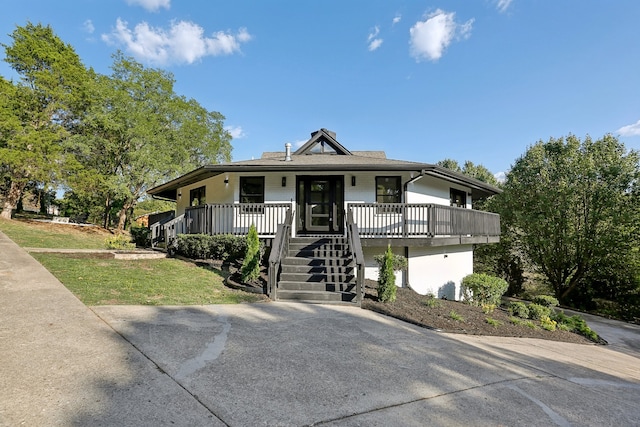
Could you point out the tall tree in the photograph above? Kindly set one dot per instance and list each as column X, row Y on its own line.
column 570, row 206
column 138, row 132
column 478, row 172
column 41, row 108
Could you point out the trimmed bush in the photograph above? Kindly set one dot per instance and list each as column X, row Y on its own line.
column 519, row 309
column 479, row 289
column 387, row 278
column 545, row 300
column 537, row 311
column 119, row 241
column 548, row 324
column 141, row 236
column 223, row 247
column 575, row 324
column 251, row 265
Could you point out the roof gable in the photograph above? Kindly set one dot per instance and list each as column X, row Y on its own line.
column 323, row 141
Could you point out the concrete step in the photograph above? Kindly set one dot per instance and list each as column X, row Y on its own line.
column 317, row 269
column 316, row 277
column 316, row 296
column 318, row 253
column 307, row 261
column 316, row 287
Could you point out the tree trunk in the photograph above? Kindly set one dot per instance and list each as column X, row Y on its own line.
column 12, row 199
column 107, row 208
column 122, row 215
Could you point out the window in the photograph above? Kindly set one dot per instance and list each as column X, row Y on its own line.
column 197, row 196
column 388, row 189
column 252, row 191
column 458, row 198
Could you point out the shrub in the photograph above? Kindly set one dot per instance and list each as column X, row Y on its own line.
column 520, row 309
column 431, row 302
column 548, row 324
column 119, row 241
column 482, row 288
column 546, row 300
column 399, row 262
column 455, row 316
column 493, row 322
column 488, row 308
column 537, row 311
column 575, row 324
column 251, row 265
column 141, row 236
column 387, row 278
column 223, row 247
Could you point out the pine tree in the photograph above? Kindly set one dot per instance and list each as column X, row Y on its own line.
column 251, row 265
column 387, row 279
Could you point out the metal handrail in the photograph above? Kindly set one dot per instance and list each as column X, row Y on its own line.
column 279, row 251
column 353, row 237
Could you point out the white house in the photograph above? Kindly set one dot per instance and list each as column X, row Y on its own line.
column 326, row 211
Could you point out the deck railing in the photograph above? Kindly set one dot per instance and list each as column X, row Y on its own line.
column 236, row 218
column 405, row 220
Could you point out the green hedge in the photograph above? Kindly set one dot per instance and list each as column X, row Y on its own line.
column 479, row 289
column 224, row 247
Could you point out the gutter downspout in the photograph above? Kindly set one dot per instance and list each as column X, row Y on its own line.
column 406, row 248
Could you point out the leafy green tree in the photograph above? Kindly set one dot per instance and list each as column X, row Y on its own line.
column 138, row 133
column 387, row 278
column 570, row 207
column 39, row 111
column 478, row 172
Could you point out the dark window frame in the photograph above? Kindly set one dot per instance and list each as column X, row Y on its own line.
column 454, row 194
column 259, row 196
column 199, row 194
column 396, row 193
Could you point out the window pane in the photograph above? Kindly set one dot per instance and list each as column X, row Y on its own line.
column 388, row 189
column 251, row 189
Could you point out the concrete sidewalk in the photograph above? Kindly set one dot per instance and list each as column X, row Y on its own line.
column 62, row 366
column 282, row 364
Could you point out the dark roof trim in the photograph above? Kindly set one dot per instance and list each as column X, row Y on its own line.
column 169, row 189
column 322, row 134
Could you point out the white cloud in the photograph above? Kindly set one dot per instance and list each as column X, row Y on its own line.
column 373, row 34
column 374, row 42
column 88, row 26
column 151, row 5
column 183, row 42
column 396, row 19
column 503, row 5
column 630, row 130
column 431, row 37
column 236, row 131
column 501, row 177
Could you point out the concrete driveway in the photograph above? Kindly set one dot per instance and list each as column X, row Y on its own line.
column 299, row 364
column 64, row 364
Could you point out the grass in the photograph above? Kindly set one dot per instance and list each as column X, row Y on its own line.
column 493, row 322
column 141, row 282
column 47, row 235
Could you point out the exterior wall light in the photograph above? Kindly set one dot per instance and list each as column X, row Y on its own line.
column 284, row 181
column 353, row 181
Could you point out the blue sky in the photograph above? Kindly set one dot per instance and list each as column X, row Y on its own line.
column 422, row 80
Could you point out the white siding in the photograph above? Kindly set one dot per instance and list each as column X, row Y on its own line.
column 439, row 270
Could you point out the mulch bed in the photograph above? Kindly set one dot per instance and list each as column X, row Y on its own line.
column 410, row 307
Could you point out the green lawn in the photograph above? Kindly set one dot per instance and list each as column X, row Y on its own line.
column 31, row 234
column 148, row 282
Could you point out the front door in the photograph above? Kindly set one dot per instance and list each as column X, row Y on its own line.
column 320, row 204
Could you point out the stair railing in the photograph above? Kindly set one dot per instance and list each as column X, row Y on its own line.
column 353, row 237
column 279, row 251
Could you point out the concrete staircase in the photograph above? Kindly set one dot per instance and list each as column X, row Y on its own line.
column 318, row 270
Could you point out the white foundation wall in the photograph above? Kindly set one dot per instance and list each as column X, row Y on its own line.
column 371, row 269
column 439, row 270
